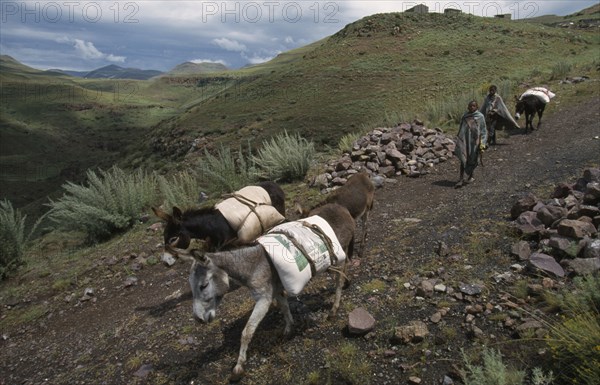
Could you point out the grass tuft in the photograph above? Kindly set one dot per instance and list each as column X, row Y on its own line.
column 285, row 157
column 227, row 172
column 492, row 371
column 13, row 237
column 110, row 203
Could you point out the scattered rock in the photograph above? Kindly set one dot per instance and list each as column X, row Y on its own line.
column 360, row 321
column 168, row 259
column 144, row 371
column 470, row 289
column 527, row 223
column 576, row 229
column 414, row 332
column 522, row 205
column 155, row 226
column 592, row 249
column 547, row 264
column 522, row 250
column 583, row 266
column 436, row 317
column 130, row 281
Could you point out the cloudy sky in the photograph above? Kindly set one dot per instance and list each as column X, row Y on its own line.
column 150, row 34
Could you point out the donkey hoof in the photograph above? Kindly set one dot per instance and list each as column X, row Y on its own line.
column 236, row 374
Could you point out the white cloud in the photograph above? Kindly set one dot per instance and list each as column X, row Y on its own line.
column 256, row 59
column 87, row 51
column 229, row 45
column 198, row 61
column 115, row 59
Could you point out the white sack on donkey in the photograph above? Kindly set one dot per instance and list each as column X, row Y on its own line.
column 302, row 249
column 541, row 93
column 249, row 212
column 531, row 102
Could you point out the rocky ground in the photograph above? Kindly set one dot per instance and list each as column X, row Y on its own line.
column 437, row 259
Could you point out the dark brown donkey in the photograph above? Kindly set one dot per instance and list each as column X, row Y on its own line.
column 207, row 223
column 357, row 196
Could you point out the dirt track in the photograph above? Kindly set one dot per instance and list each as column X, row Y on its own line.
column 106, row 340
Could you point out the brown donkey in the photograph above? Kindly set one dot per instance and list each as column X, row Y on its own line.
column 357, row 196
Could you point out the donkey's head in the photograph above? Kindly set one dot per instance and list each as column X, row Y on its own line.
column 209, row 284
column 519, row 107
column 175, row 235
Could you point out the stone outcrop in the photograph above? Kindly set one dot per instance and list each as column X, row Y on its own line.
column 563, row 230
column 407, row 149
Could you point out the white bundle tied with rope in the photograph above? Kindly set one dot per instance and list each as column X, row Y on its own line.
column 541, row 93
column 302, row 249
column 249, row 212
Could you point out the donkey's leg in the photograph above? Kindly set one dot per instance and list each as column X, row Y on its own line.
column 540, row 113
column 338, row 290
column 363, row 224
column 529, row 122
column 284, row 307
column 258, row 313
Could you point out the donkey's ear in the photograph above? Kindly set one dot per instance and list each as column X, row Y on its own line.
column 177, row 213
column 200, row 256
column 300, row 210
column 161, row 214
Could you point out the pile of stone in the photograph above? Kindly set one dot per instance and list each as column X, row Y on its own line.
column 561, row 232
column 407, row 149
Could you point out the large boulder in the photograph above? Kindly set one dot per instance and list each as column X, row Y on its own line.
column 576, row 229
column 525, row 203
column 528, row 223
column 549, row 214
column 547, row 264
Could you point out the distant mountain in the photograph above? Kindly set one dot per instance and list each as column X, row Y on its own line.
column 115, row 72
column 197, row 68
column 8, row 64
column 77, row 74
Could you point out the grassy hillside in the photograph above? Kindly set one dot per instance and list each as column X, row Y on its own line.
column 383, row 67
column 378, row 70
column 53, row 127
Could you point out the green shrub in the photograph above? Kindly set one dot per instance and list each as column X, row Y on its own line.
column 226, row 173
column 181, row 190
column 451, row 109
column 560, row 70
column 111, row 202
column 575, row 340
column 538, row 377
column 575, row 346
column 13, row 237
column 285, row 157
column 585, row 297
column 492, row 372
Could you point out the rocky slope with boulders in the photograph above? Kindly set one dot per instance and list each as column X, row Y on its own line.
column 561, row 233
column 408, row 149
